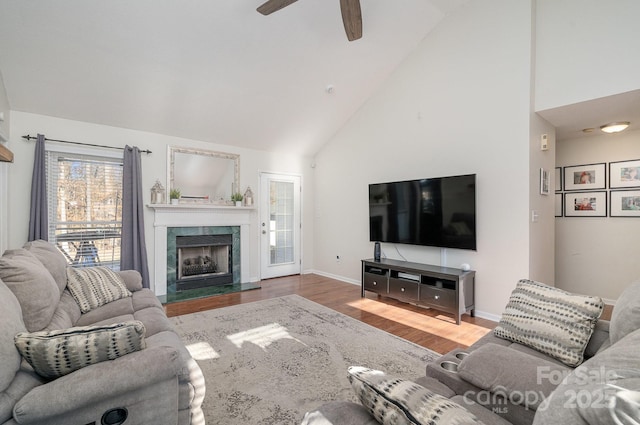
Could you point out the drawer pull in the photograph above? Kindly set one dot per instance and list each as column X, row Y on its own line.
column 437, row 297
column 401, row 289
column 375, row 283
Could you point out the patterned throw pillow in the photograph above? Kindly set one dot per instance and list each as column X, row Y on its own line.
column 550, row 320
column 394, row 401
column 93, row 287
column 56, row 353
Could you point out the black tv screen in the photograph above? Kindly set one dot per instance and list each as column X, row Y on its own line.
column 438, row 212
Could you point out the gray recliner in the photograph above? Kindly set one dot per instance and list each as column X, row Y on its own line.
column 160, row 384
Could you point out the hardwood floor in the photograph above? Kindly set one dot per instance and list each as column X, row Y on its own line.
column 426, row 327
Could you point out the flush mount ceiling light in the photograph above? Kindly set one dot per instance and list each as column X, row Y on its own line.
column 615, row 127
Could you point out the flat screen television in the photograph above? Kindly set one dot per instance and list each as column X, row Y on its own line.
column 438, row 212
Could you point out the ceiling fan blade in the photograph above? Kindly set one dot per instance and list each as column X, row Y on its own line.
column 271, row 6
column 352, row 18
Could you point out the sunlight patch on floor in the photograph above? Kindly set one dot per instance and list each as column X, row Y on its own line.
column 202, row 351
column 465, row 333
column 262, row 336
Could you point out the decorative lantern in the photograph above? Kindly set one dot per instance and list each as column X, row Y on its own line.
column 158, row 193
column 248, row 197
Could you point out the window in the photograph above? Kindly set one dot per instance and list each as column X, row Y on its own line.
column 85, row 207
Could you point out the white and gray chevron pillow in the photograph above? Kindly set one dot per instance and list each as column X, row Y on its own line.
column 93, row 287
column 394, row 401
column 56, row 353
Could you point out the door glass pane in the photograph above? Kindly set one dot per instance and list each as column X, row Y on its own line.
column 280, row 222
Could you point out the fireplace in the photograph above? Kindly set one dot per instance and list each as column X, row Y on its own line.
column 204, row 260
column 202, row 257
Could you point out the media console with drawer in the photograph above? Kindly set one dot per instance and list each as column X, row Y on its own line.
column 442, row 288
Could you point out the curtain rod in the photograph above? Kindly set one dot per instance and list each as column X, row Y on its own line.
column 28, row 137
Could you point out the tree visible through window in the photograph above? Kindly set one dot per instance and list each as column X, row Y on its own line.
column 85, row 208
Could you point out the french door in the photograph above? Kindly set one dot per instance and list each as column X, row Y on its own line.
column 280, row 229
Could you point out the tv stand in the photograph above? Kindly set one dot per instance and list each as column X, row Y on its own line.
column 442, row 288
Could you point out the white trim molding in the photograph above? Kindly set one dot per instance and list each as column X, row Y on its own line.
column 195, row 215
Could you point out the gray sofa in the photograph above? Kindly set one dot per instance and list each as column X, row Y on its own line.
column 504, row 382
column 157, row 383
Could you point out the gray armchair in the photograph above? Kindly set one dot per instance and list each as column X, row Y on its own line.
column 159, row 384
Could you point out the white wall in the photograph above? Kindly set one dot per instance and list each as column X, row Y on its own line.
column 541, row 207
column 542, row 227
column 597, row 256
column 4, row 167
column 252, row 162
column 459, row 104
column 586, row 49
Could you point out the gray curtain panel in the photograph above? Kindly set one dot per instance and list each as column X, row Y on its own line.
column 39, row 214
column 133, row 249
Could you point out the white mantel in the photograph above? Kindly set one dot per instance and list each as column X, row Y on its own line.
column 194, row 215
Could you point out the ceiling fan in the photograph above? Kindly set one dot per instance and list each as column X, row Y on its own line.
column 351, row 14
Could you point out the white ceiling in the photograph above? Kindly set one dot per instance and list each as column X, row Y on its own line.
column 571, row 120
column 209, row 70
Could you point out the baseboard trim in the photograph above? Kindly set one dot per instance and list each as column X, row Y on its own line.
column 488, row 316
column 333, row 276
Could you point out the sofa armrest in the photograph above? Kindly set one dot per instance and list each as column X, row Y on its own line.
column 132, row 279
column 518, row 376
column 93, row 384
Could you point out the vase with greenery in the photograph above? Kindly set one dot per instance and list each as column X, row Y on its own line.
column 174, row 194
column 237, row 198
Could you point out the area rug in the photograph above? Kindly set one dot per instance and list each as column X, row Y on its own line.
column 269, row 362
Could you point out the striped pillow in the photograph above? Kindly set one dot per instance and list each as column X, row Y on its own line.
column 393, row 401
column 56, row 353
column 93, row 287
column 550, row 320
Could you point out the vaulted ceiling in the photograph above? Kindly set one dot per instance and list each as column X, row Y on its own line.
column 209, row 70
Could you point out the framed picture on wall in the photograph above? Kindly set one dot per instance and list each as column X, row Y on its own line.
column 585, row 177
column 585, row 204
column 544, row 182
column 558, row 179
column 559, row 200
column 624, row 174
column 624, row 203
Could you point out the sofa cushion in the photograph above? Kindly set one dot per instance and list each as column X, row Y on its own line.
column 32, row 285
column 550, row 320
column 625, row 317
column 66, row 315
column 56, row 353
column 523, row 379
column 482, row 413
column 93, row 287
column 52, row 259
column 397, row 401
column 585, row 395
column 10, row 324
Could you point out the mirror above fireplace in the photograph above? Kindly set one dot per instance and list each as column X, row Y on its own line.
column 202, row 175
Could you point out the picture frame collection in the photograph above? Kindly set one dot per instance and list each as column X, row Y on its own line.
column 581, row 190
